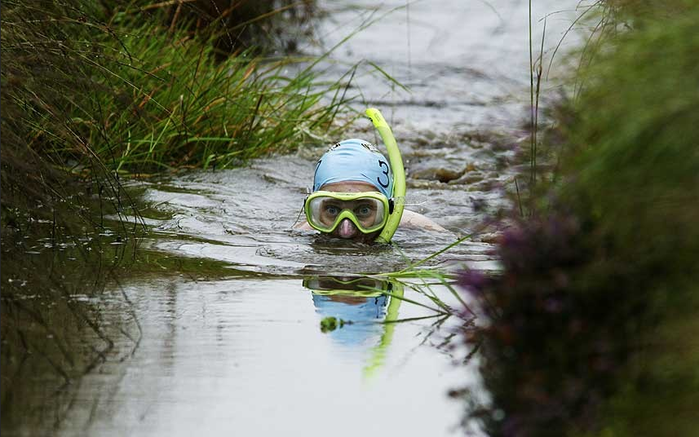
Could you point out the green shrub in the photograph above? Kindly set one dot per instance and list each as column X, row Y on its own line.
column 98, row 89
column 135, row 96
column 591, row 323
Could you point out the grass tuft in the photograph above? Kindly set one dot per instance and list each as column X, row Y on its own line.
column 94, row 91
column 589, row 329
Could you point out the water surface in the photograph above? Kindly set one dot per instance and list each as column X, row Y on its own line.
column 213, row 327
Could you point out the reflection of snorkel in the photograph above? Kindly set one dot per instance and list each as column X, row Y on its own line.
column 398, row 171
column 361, row 302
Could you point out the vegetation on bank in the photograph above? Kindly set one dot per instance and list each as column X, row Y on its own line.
column 93, row 92
column 96, row 89
column 591, row 326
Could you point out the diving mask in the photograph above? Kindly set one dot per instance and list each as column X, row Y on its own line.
column 369, row 211
column 356, row 286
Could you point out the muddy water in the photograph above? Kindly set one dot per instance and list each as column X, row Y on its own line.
column 221, row 334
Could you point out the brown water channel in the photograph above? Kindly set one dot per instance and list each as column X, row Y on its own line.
column 213, row 326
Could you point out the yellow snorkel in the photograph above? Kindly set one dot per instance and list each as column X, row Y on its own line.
column 396, row 161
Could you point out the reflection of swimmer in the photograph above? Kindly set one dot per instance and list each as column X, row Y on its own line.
column 360, row 301
column 356, row 194
column 365, row 302
column 360, row 311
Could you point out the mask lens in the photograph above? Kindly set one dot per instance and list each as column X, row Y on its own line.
column 332, row 283
column 367, row 213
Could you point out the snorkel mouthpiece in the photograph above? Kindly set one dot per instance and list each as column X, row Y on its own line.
column 396, row 161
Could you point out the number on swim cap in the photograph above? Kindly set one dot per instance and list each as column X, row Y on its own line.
column 384, row 165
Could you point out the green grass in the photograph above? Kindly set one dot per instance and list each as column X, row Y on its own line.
column 134, row 95
column 96, row 91
column 661, row 398
column 636, row 174
column 591, row 324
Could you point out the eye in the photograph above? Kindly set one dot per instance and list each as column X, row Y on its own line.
column 363, row 210
column 332, row 210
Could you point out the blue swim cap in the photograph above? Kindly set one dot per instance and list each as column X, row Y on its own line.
column 364, row 330
column 354, row 161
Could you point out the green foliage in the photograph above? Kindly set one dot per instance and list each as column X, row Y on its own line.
column 591, row 324
column 134, row 95
column 634, row 158
column 661, row 396
column 632, row 169
column 99, row 89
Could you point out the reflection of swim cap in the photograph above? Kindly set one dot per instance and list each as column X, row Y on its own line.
column 354, row 161
column 370, row 309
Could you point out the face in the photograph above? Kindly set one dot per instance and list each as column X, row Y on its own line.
column 364, row 212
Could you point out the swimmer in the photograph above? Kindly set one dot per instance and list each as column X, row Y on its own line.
column 355, row 195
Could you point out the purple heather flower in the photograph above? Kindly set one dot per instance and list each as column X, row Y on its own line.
column 553, row 305
column 473, row 281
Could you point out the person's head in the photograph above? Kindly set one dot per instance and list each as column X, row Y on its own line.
column 352, row 190
column 361, row 300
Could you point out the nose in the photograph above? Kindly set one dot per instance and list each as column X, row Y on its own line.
column 347, row 229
